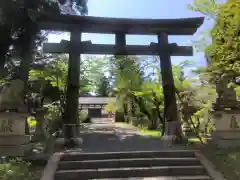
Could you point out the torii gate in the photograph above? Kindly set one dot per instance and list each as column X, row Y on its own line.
column 120, row 27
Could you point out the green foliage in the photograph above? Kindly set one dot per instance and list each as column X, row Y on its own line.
column 112, row 107
column 55, row 73
column 83, row 117
column 17, row 169
column 223, row 53
column 207, row 7
column 53, row 118
column 119, row 116
column 17, row 29
column 103, row 87
column 93, row 74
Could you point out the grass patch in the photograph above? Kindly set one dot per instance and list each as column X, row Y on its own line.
column 143, row 130
column 225, row 160
column 195, row 140
column 152, row 133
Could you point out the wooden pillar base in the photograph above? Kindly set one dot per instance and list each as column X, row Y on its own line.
column 173, row 128
column 62, row 144
column 71, row 136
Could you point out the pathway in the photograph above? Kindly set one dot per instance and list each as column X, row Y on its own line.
column 105, row 136
column 145, row 157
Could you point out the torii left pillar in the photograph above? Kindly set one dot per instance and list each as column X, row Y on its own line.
column 173, row 126
column 70, row 117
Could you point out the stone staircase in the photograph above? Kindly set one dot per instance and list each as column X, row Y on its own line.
column 163, row 165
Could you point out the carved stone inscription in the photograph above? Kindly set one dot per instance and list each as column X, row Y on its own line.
column 234, row 123
column 228, row 121
column 6, row 126
column 12, row 124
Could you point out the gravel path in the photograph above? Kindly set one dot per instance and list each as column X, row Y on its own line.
column 105, row 136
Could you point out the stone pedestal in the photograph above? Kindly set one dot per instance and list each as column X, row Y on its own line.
column 227, row 134
column 13, row 139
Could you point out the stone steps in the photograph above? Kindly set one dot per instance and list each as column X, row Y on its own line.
column 122, row 163
column 130, row 172
column 163, row 165
column 76, row 156
column 162, row 178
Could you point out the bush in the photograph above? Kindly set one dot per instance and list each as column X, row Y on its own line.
column 16, row 169
column 53, row 118
column 83, row 117
column 119, row 116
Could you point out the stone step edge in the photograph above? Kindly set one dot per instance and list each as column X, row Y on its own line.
column 72, row 152
column 71, row 155
column 120, row 153
column 133, row 159
column 163, row 178
column 129, row 168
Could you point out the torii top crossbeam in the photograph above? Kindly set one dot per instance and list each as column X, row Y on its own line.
column 48, row 21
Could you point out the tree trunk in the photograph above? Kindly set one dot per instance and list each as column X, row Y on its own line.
column 2, row 60
column 3, row 72
column 125, row 111
column 157, row 105
column 26, row 55
column 4, row 44
column 154, row 120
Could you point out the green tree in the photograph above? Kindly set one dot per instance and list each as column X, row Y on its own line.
column 52, row 78
column 103, row 87
column 207, row 7
column 223, row 53
column 16, row 28
column 128, row 78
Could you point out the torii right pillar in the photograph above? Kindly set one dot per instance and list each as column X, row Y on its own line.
column 173, row 124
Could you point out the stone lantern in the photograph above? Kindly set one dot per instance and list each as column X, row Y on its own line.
column 227, row 115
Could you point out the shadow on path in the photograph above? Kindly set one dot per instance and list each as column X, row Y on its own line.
column 106, row 137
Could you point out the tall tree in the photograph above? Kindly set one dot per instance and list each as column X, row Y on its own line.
column 103, row 87
column 16, row 27
column 223, row 53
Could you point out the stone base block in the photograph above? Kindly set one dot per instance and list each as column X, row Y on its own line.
column 227, row 143
column 19, row 150
column 15, row 145
column 57, row 145
column 9, row 140
column 226, row 134
column 168, row 140
column 226, row 138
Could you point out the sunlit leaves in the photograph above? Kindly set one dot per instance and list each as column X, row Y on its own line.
column 224, row 52
column 207, row 7
column 55, row 73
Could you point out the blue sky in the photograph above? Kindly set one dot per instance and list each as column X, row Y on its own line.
column 154, row 9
